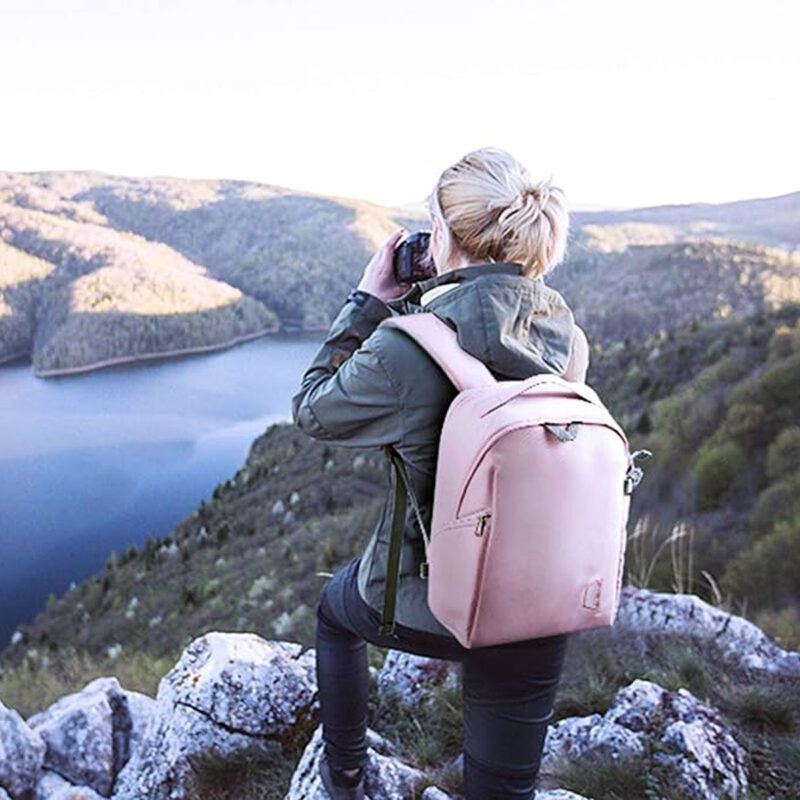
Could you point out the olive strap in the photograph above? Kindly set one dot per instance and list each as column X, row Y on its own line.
column 395, row 550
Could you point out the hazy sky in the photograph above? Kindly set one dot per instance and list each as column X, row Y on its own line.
column 623, row 103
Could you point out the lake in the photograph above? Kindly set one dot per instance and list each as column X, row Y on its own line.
column 102, row 460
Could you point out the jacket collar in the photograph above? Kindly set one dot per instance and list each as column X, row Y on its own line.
column 459, row 275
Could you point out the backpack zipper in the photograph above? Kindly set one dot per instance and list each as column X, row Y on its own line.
column 480, row 525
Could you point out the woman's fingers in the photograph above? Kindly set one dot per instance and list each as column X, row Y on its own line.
column 391, row 243
column 378, row 277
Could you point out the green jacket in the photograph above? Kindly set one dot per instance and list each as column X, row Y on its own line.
column 369, row 388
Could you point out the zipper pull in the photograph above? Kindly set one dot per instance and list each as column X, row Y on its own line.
column 480, row 525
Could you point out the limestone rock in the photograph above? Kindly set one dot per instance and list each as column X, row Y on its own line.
column 706, row 760
column 385, row 777
column 228, row 693
column 575, row 737
column 53, row 787
column 687, row 739
column 635, row 705
column 412, row 677
column 742, row 642
column 22, row 753
column 142, row 709
column 87, row 734
column 434, row 793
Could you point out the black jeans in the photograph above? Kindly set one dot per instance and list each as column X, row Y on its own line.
column 508, row 691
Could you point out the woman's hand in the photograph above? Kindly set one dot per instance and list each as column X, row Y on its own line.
column 378, row 278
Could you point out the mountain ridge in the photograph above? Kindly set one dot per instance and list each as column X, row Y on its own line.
column 284, row 258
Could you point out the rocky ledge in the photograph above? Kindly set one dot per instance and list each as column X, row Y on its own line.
column 235, row 693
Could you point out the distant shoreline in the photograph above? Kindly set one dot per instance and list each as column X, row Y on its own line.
column 14, row 357
column 185, row 351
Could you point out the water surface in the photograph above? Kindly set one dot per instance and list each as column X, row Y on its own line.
column 102, row 460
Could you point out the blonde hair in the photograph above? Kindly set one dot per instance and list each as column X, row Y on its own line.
column 491, row 209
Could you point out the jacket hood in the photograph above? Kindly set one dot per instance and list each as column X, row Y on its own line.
column 516, row 325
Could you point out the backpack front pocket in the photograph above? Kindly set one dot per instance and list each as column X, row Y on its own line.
column 455, row 556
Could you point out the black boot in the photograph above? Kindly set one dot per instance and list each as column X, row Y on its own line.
column 338, row 785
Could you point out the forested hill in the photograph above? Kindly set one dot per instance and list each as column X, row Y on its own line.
column 95, row 268
column 769, row 221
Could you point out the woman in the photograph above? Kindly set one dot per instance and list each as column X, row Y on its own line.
column 496, row 233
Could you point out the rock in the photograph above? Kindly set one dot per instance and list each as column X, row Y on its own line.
column 380, row 743
column 173, row 551
column 635, row 705
column 741, row 642
column 703, row 756
column 16, row 637
column 228, row 693
column 294, row 498
column 278, row 507
column 686, row 738
column 575, row 737
column 412, row 677
column 53, row 787
column 434, row 793
column 142, row 710
column 113, row 651
column 22, row 753
column 385, row 777
column 3, row 794
column 559, row 794
column 87, row 734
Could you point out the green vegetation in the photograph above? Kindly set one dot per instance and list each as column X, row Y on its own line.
column 716, row 470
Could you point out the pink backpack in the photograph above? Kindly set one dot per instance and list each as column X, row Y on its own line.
column 530, row 505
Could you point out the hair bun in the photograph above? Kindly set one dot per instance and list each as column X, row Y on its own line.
column 491, row 208
column 540, row 194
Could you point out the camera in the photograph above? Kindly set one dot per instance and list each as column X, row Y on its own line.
column 411, row 259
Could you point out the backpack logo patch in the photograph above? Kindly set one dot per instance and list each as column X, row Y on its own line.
column 591, row 594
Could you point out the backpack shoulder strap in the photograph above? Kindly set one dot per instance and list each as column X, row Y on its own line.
column 441, row 343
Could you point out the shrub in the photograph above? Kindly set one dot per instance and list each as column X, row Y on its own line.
column 782, row 626
column 716, row 469
column 778, row 501
column 768, row 572
column 781, row 381
column 783, row 456
column 784, row 342
column 748, row 424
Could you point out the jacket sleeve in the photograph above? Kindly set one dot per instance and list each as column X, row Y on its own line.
column 346, row 396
